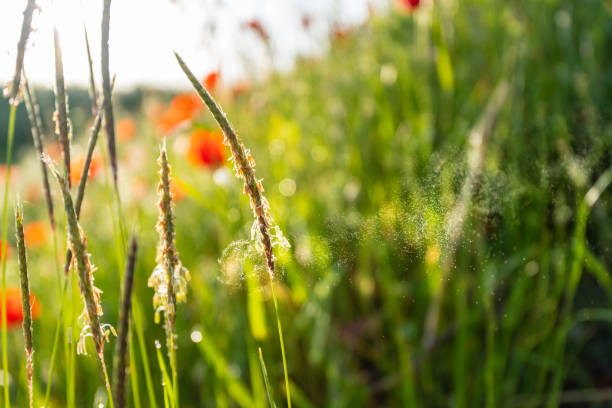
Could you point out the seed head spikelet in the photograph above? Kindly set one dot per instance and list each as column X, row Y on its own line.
column 106, row 89
column 265, row 232
column 25, row 298
column 14, row 87
column 62, row 123
column 169, row 278
column 121, row 348
column 36, row 125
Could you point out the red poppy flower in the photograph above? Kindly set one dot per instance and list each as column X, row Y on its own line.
column 182, row 107
column 211, row 81
column 408, row 5
column 8, row 249
column 177, row 191
column 35, row 233
column 76, row 168
column 256, row 26
column 205, row 148
column 340, row 33
column 241, row 88
column 126, row 129
column 14, row 313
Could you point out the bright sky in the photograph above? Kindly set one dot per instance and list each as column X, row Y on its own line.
column 145, row 32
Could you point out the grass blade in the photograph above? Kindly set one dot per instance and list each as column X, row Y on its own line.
column 266, row 380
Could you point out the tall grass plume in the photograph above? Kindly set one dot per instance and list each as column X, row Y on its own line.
column 169, row 278
column 264, row 232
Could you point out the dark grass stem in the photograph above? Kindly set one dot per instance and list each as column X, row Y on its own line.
column 25, row 299
column 121, row 348
column 265, row 230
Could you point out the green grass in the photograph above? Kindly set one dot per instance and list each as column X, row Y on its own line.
column 375, row 137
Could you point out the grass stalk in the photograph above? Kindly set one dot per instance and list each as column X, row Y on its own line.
column 84, row 269
column 122, row 345
column 169, row 278
column 264, row 229
column 25, row 299
column 282, row 344
column 167, row 382
column 91, row 144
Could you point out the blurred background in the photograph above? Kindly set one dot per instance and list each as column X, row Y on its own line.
column 440, row 169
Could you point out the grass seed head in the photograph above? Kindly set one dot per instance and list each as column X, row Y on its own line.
column 169, row 278
column 265, row 232
column 13, row 89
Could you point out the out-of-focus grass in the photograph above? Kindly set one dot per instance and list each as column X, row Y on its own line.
column 364, row 152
